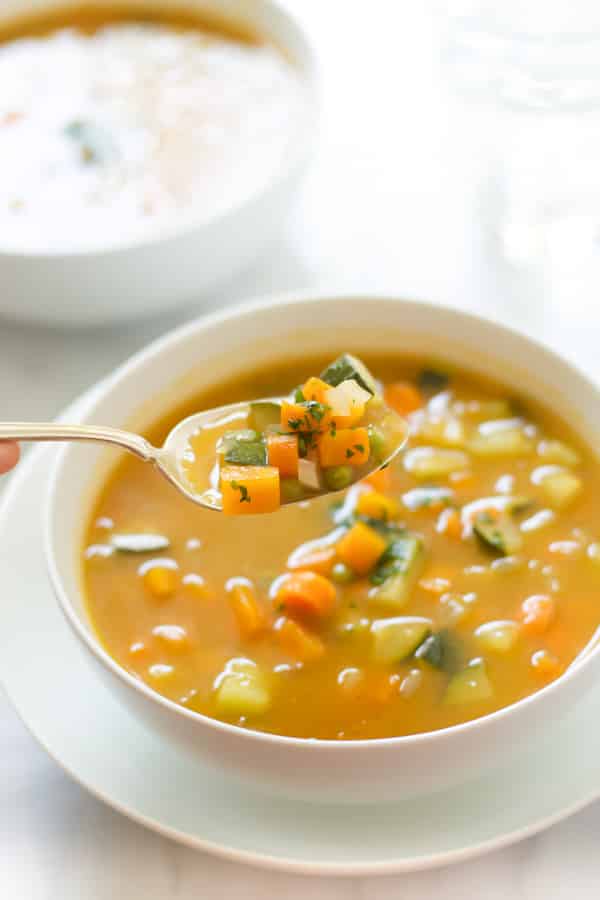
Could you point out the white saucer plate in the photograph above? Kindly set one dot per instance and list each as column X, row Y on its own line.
column 67, row 709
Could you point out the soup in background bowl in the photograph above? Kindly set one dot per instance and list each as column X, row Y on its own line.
column 455, row 645
column 171, row 137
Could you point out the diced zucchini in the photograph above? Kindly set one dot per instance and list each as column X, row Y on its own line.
column 240, row 690
column 349, row 367
column 558, row 452
column 263, row 415
column 429, row 463
column 442, row 650
column 139, row 543
column 400, row 557
column 242, row 448
column 559, row 486
column 499, row 534
column 470, row 685
column 432, row 380
column 246, row 454
column 501, row 437
column 397, row 639
column 498, row 637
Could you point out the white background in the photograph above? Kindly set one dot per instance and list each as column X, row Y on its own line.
column 393, row 201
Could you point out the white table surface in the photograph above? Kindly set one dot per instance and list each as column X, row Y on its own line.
column 391, row 203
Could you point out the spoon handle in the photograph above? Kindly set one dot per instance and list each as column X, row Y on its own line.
column 50, row 431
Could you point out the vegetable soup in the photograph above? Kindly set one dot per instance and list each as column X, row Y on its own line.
column 460, row 579
column 129, row 121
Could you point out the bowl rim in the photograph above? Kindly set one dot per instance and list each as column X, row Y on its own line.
column 308, row 68
column 169, row 341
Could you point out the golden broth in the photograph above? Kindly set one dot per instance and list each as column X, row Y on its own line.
column 461, row 586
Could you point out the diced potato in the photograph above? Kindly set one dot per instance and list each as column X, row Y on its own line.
column 429, row 463
column 249, row 489
column 361, row 547
column 558, row 452
column 347, row 403
column 346, row 446
column 500, row 438
column 560, row 487
column 470, row 685
column 398, row 638
column 498, row 637
column 377, row 506
column 240, row 690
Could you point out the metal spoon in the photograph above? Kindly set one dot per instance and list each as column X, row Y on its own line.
column 168, row 459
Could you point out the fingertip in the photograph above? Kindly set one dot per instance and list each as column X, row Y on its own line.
column 9, row 456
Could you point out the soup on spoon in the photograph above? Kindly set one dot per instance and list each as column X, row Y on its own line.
column 333, row 431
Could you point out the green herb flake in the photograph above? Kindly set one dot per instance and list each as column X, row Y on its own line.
column 349, row 453
column 360, row 448
column 244, row 495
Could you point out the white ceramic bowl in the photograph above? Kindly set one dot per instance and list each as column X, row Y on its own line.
column 178, row 265
column 172, row 369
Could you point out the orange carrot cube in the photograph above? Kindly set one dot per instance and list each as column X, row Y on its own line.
column 361, row 547
column 305, row 592
column 249, row 489
column 343, row 447
column 297, row 641
column 403, row 397
column 315, row 389
column 249, row 615
column 282, row 452
column 377, row 506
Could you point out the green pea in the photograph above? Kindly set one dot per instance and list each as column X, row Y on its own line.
column 377, row 443
column 342, row 574
column 338, row 477
column 291, row 490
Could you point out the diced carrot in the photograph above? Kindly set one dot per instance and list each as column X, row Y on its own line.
column 319, row 560
column 297, row 641
column 315, row 389
column 403, row 397
column 302, row 417
column 249, row 489
column 282, row 452
column 361, row 547
column 305, row 592
column 537, row 613
column 546, row 665
column 381, row 480
column 160, row 577
column 377, row 506
column 346, row 446
column 450, row 523
column 249, row 615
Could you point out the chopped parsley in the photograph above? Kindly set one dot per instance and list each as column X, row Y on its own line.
column 360, row 448
column 294, row 424
column 244, row 495
column 349, row 453
column 316, row 410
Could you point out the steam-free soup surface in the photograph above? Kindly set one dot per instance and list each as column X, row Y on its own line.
column 128, row 123
column 456, row 582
